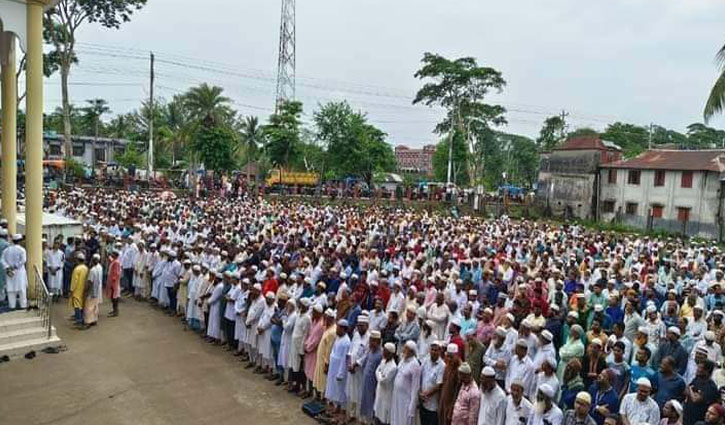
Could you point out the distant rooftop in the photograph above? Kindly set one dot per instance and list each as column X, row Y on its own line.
column 666, row 159
column 587, row 143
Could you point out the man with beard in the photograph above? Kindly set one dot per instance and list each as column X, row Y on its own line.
column 545, row 411
column 449, row 386
column 465, row 411
column 518, row 407
column 701, row 393
column 369, row 381
column 639, row 408
column 492, row 408
column 431, row 383
column 715, row 415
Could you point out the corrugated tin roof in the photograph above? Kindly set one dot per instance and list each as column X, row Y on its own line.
column 702, row 160
column 586, row 143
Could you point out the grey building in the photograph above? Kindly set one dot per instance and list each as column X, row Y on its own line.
column 674, row 190
column 106, row 148
column 569, row 176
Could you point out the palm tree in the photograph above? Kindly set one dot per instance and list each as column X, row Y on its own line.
column 716, row 100
column 207, row 106
column 252, row 137
column 176, row 126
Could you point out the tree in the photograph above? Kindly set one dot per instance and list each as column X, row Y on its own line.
column 283, row 133
column 175, row 127
column 207, row 106
column 460, row 86
column 131, row 156
column 215, row 147
column 460, row 159
column 64, row 21
column 716, row 99
column 632, row 138
column 252, row 137
column 92, row 116
column 700, row 136
column 521, row 159
column 552, row 133
column 354, row 147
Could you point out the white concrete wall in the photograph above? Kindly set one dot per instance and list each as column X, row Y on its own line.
column 702, row 198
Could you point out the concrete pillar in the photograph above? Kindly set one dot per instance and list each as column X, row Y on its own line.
column 9, row 133
column 34, row 143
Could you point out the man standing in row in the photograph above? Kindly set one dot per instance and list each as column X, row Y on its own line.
column 13, row 262
column 77, row 288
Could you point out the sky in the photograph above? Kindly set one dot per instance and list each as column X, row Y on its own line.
column 638, row 61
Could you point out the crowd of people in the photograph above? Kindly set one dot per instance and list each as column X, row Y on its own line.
column 394, row 316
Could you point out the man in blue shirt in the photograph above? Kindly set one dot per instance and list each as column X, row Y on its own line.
column 641, row 369
column 604, row 399
column 670, row 384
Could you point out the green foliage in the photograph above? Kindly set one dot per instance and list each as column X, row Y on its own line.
column 460, row 159
column 207, row 106
column 74, row 168
column 283, row 133
column 252, row 138
column 716, row 100
column 354, row 147
column 131, row 156
column 584, row 131
column 633, row 139
column 215, row 148
column 704, row 137
column 551, row 133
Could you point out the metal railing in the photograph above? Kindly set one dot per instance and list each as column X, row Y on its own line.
column 44, row 300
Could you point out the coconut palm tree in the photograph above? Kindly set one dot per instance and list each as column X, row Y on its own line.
column 176, row 127
column 207, row 106
column 252, row 137
column 716, row 100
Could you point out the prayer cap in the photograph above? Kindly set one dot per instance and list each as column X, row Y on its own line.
column 430, row 323
column 3, row 232
column 389, row 347
column 676, row 405
column 342, row 322
column 574, row 314
column 257, row 287
column 547, row 335
column 710, row 336
column 411, row 345
column 501, row 331
column 422, row 313
column 488, row 372
column 522, row 343
column 329, row 312
column 644, row 382
column 362, row 319
column 674, row 329
column 452, row 349
column 642, row 329
column 375, row 334
column 584, row 397
column 269, row 295
column 318, row 308
column 17, row 237
column 465, row 368
column 305, row 302
column 81, row 256
column 411, row 308
column 598, row 308
column 546, row 390
column 510, row 317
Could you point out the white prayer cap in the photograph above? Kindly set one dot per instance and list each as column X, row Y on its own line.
column 329, row 312
column 674, row 329
column 488, row 372
column 651, row 309
column 269, row 295
column 342, row 322
column 584, row 397
column 322, row 285
column 598, row 308
column 488, row 311
column 452, row 349
column 196, row 268
column 547, row 335
column 187, row 261
column 362, row 319
column 501, row 331
column 3, row 232
column 644, row 382
column 642, row 329
column 17, row 237
column 81, row 256
column 225, row 253
column 522, row 343
column 96, row 256
column 597, row 341
column 389, row 347
column 375, row 334
column 555, row 307
column 257, row 287
column 546, row 390
column 709, row 335
column 411, row 345
column 574, row 314
column 283, row 275
column 430, row 323
column 318, row 308
column 456, row 322
column 305, row 302
column 510, row 317
column 465, row 368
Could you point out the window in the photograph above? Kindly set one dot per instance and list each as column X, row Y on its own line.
column 657, row 211
column 79, row 150
column 631, row 208
column 612, row 176
column 683, row 214
column 633, row 177
column 686, row 180
column 100, row 154
column 608, row 206
column 55, row 150
column 659, row 177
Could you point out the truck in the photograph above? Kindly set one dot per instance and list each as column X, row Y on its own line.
column 291, row 178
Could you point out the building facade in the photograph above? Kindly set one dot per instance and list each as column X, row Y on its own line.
column 569, row 176
column 673, row 190
column 106, row 148
column 419, row 161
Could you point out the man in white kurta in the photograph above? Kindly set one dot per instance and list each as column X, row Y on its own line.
column 56, row 260
column 297, row 348
column 492, row 410
column 548, row 413
column 337, row 370
column 406, row 387
column 256, row 308
column 385, row 374
column 264, row 334
column 214, row 330
column 240, row 311
column 13, row 261
column 521, row 368
column 356, row 356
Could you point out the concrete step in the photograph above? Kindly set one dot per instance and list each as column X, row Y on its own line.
column 26, row 334
column 19, row 324
column 19, row 349
column 17, row 314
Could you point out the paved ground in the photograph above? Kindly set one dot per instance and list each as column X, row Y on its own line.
column 140, row 368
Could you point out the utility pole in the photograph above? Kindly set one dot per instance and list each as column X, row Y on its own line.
column 649, row 142
column 150, row 152
column 562, row 131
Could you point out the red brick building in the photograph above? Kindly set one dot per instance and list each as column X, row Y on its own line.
column 415, row 160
